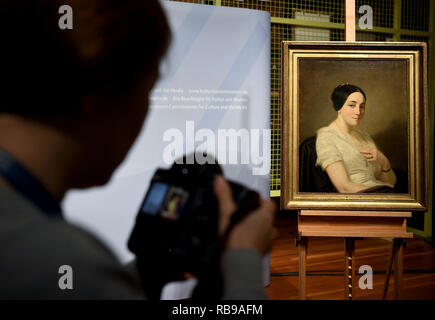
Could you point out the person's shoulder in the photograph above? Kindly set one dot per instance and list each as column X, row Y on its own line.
column 326, row 129
column 36, row 249
column 75, row 240
column 326, row 133
column 28, row 226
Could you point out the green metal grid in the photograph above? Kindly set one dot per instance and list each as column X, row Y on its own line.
column 390, row 17
column 413, row 38
column 278, row 34
column 286, row 9
column 251, row 4
column 415, row 15
column 373, row 36
column 382, row 12
column 188, row 1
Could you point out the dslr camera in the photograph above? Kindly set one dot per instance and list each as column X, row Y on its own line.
column 178, row 220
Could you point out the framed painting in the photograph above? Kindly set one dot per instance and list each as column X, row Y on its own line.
column 354, row 126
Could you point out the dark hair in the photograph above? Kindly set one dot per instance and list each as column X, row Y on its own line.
column 340, row 94
column 47, row 70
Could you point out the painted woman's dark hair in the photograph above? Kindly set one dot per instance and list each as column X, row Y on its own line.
column 340, row 94
column 46, row 71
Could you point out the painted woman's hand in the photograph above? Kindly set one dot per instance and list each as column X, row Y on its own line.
column 373, row 154
column 370, row 154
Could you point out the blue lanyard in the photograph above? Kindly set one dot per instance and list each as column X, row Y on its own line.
column 25, row 183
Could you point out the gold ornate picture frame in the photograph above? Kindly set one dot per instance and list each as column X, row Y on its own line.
column 394, row 78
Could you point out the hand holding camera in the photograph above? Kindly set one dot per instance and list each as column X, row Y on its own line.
column 255, row 231
column 189, row 217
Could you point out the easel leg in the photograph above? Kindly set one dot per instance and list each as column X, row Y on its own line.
column 349, row 267
column 390, row 265
column 398, row 269
column 303, row 244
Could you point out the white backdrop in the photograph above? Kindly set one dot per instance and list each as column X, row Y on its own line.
column 213, row 94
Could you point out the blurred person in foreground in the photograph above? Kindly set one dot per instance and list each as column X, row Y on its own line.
column 72, row 104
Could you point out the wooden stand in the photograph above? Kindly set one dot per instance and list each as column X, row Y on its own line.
column 352, row 225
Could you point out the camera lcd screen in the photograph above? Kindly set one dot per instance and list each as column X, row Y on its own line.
column 155, row 198
column 165, row 200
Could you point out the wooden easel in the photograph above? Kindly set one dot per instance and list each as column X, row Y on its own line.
column 352, row 225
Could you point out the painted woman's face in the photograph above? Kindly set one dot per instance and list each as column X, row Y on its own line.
column 353, row 109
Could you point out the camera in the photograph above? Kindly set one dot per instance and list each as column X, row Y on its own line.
column 178, row 220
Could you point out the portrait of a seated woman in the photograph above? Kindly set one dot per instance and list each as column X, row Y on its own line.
column 347, row 153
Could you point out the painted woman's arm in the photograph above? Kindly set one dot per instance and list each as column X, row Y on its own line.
column 384, row 171
column 340, row 179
